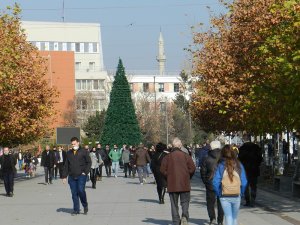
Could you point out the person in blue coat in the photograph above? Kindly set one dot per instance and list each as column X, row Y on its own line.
column 234, row 168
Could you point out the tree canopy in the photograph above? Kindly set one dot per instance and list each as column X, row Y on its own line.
column 27, row 101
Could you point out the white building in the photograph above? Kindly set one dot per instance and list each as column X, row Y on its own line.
column 84, row 39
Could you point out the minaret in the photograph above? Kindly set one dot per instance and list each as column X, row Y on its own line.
column 161, row 58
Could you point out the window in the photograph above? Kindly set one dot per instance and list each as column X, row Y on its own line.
column 69, row 46
column 78, row 84
column 47, row 46
column 162, row 106
column 51, row 46
column 131, row 87
column 161, row 87
column 95, row 49
column 63, row 46
column 92, row 66
column 83, row 84
column 89, row 84
column 96, row 85
column 176, row 87
column 81, row 104
column 77, row 47
column 56, row 46
column 43, row 46
column 96, row 104
column 77, row 65
column 86, row 47
column 145, row 87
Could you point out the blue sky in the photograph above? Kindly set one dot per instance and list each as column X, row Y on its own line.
column 130, row 28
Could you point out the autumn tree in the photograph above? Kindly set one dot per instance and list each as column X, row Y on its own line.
column 27, row 101
column 237, row 63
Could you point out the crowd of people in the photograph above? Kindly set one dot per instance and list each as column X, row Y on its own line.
column 229, row 173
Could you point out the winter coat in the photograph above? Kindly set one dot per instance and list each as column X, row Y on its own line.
column 217, row 180
column 8, row 164
column 104, row 155
column 142, row 157
column 94, row 160
column 178, row 167
column 77, row 163
column 250, row 155
column 125, row 156
column 209, row 166
column 48, row 160
column 203, row 152
column 155, row 167
column 115, row 155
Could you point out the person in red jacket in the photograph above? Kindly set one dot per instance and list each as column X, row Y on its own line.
column 178, row 167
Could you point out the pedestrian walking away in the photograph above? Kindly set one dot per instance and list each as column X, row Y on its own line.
column 94, row 167
column 141, row 159
column 77, row 166
column 107, row 161
column 20, row 159
column 161, row 182
column 178, row 168
column 208, row 168
column 229, row 184
column 125, row 159
column 48, row 162
column 8, row 170
column 250, row 155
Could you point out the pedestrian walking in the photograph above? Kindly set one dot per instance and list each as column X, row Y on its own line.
column 61, row 159
column 77, row 166
column 27, row 161
column 161, row 182
column 178, row 168
column 94, row 167
column 20, row 159
column 250, row 155
column 115, row 156
column 103, row 156
column 125, row 159
column 107, row 161
column 141, row 159
column 229, row 184
column 132, row 167
column 207, row 171
column 8, row 170
column 48, row 162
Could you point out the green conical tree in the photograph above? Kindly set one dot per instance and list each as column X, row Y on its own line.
column 121, row 125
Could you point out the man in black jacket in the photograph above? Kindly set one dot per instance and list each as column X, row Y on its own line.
column 208, row 167
column 8, row 170
column 250, row 155
column 48, row 162
column 77, row 167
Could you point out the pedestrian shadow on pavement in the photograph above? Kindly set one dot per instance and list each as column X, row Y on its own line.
column 168, row 222
column 65, row 210
column 149, row 200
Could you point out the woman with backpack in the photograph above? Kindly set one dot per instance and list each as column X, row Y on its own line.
column 229, row 184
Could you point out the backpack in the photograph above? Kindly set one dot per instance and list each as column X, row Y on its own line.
column 231, row 188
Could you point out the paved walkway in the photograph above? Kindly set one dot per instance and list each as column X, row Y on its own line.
column 119, row 201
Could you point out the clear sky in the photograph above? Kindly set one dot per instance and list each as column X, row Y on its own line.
column 130, row 28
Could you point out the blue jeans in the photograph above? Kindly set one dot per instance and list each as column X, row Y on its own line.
column 77, row 186
column 20, row 164
column 115, row 168
column 231, row 206
column 142, row 171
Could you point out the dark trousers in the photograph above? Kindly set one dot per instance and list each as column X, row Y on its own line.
column 131, row 169
column 108, row 169
column 77, row 186
column 211, row 201
column 251, row 189
column 126, row 168
column 48, row 174
column 161, row 191
column 184, row 202
column 93, row 176
column 8, row 179
column 100, row 170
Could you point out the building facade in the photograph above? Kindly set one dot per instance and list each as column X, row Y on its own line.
column 91, row 81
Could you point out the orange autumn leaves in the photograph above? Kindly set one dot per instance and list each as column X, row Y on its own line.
column 240, row 83
column 26, row 100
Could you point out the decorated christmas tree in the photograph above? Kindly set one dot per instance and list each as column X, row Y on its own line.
column 121, row 125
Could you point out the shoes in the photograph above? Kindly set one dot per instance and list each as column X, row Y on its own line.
column 247, row 204
column 144, row 180
column 125, row 175
column 184, row 221
column 74, row 213
column 85, row 210
column 11, row 194
column 212, row 221
column 220, row 223
column 141, row 183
